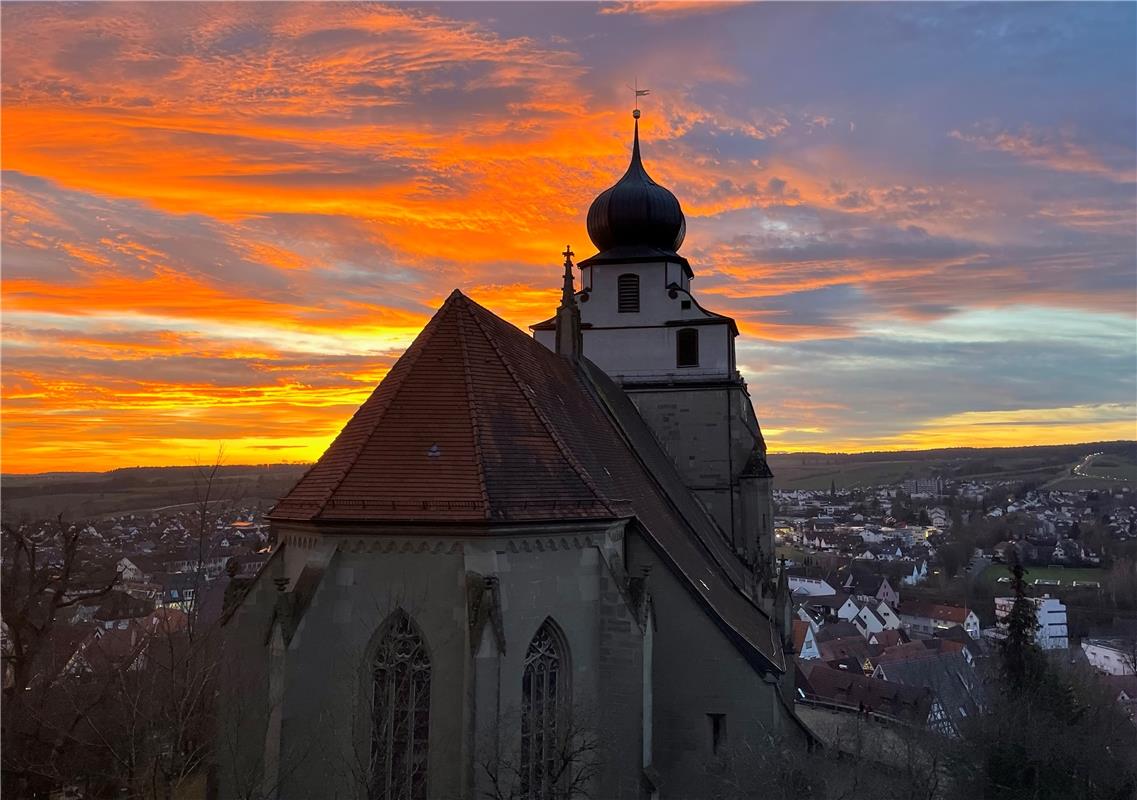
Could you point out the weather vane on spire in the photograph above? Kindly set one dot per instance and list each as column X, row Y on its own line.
column 638, row 93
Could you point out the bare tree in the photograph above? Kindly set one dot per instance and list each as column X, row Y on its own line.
column 570, row 762
column 33, row 593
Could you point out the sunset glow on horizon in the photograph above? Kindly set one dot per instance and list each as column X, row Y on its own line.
column 223, row 223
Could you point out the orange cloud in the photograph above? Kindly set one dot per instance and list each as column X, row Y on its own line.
column 222, row 222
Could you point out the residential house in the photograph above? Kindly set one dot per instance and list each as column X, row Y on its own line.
column 820, row 683
column 871, row 587
column 887, row 615
column 1112, row 656
column 924, row 618
column 808, row 648
column 804, row 580
column 952, row 681
column 849, row 610
column 868, row 621
column 1050, row 613
column 129, row 570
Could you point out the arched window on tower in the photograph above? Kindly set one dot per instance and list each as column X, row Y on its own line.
column 544, row 703
column 628, row 293
column 400, row 713
column 687, row 348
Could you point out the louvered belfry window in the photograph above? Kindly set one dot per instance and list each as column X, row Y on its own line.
column 687, row 348
column 628, row 293
column 400, row 713
column 543, row 695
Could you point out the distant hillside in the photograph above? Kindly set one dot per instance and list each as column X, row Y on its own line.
column 1045, row 463
column 83, row 495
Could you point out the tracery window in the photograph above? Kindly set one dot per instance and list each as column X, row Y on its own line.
column 544, row 693
column 628, row 293
column 400, row 713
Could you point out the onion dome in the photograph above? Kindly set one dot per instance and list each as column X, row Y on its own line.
column 637, row 212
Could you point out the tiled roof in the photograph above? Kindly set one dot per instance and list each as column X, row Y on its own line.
column 480, row 424
column 837, row 630
column 844, row 647
column 800, row 627
column 454, row 433
column 819, row 681
column 916, row 608
column 948, row 676
column 908, row 651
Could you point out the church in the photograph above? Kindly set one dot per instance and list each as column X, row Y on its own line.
column 530, row 565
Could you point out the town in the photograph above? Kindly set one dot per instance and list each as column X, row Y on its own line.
column 897, row 596
column 899, row 593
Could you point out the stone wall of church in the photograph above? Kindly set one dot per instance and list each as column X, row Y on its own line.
column 577, row 590
column 243, row 684
column 319, row 732
column 698, row 672
column 710, row 432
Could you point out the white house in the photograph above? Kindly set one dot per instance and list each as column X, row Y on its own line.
column 872, row 536
column 1111, row 656
column 918, row 574
column 868, row 622
column 888, row 616
column 849, row 610
column 1051, row 615
column 799, row 584
column 129, row 570
column 809, row 645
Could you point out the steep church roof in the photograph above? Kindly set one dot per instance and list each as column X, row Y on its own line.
column 479, row 424
column 454, row 433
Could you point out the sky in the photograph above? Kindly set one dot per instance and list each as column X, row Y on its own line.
column 222, row 223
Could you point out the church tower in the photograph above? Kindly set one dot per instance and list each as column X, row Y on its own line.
column 642, row 324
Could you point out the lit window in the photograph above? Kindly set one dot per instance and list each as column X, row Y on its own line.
column 628, row 293
column 544, row 692
column 687, row 348
column 400, row 713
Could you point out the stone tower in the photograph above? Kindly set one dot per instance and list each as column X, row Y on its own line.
column 641, row 323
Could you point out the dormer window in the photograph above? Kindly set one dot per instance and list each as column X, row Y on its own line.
column 628, row 293
column 687, row 348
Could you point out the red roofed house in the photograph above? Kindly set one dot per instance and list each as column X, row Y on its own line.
column 514, row 539
column 927, row 618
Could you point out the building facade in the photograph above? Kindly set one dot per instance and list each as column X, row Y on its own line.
column 643, row 325
column 1050, row 613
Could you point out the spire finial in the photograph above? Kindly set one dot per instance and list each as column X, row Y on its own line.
column 569, row 342
column 638, row 93
column 568, row 290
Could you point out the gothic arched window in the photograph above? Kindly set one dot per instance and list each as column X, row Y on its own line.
column 400, row 713
column 544, row 695
column 628, row 293
column 687, row 348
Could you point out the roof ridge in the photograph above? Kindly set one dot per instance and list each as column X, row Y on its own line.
column 581, row 473
column 472, row 406
column 424, row 338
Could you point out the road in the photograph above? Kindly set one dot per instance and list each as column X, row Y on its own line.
column 1084, row 464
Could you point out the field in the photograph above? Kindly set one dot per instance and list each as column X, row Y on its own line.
column 1052, row 466
column 1067, row 575
column 1115, row 467
column 139, row 490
